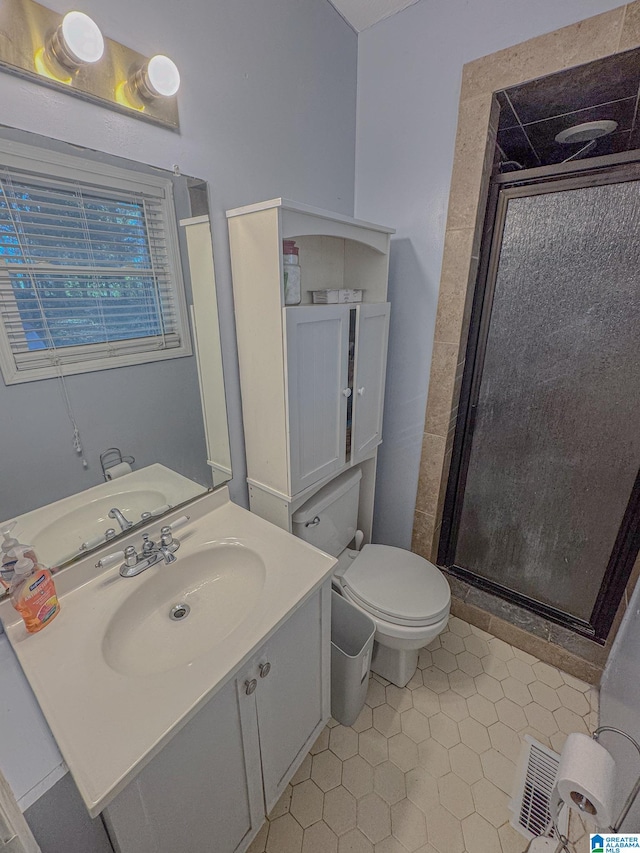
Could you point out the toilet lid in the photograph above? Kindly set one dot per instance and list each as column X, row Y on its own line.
column 398, row 584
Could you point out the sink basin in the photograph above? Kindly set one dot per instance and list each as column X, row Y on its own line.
column 219, row 585
column 64, row 536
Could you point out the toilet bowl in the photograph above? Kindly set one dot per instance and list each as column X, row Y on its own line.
column 407, row 597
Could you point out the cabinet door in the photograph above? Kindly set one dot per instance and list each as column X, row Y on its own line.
column 293, row 699
column 199, row 793
column 372, row 332
column 317, row 338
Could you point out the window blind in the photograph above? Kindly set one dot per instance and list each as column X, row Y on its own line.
column 87, row 273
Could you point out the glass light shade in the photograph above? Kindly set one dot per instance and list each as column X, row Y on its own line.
column 162, row 76
column 81, row 37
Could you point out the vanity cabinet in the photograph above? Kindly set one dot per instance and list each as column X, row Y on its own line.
column 312, row 376
column 212, row 785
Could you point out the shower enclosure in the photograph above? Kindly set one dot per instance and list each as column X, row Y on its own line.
column 543, row 500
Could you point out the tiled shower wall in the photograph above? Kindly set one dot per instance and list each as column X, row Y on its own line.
column 594, row 38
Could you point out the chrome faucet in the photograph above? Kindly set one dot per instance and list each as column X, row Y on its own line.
column 124, row 523
column 151, row 554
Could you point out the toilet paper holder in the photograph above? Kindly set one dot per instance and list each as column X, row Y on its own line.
column 113, row 456
column 636, row 788
column 583, row 804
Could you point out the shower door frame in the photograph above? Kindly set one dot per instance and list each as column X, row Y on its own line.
column 577, row 174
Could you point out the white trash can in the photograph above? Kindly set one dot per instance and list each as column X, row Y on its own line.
column 352, row 633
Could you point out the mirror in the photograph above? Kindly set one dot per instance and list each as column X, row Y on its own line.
column 134, row 440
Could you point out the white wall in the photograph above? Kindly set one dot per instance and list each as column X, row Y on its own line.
column 619, row 704
column 267, row 108
column 409, row 74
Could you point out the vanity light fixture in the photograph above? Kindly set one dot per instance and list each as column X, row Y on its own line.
column 69, row 53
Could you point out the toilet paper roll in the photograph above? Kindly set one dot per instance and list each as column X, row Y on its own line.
column 585, row 779
column 118, row 470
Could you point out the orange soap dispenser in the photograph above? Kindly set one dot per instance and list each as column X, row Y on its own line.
column 33, row 593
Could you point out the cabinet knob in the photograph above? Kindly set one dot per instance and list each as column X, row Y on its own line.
column 265, row 669
column 360, row 391
column 346, row 392
column 250, row 686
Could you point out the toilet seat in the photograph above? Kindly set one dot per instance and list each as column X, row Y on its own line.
column 397, row 586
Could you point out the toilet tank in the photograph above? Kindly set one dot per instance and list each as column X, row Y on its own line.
column 335, row 507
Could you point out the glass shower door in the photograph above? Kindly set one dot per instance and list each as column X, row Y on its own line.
column 552, row 437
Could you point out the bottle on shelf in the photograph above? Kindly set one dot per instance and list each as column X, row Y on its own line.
column 291, row 267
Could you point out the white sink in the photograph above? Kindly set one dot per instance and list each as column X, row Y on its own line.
column 58, row 530
column 219, row 584
column 116, row 677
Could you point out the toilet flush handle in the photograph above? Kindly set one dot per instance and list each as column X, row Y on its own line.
column 314, row 522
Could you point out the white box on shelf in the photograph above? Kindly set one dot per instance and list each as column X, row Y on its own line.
column 332, row 297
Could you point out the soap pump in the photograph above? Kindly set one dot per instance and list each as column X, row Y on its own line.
column 8, row 548
column 33, row 592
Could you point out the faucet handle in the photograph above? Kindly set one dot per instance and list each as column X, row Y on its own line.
column 130, row 557
column 147, row 545
column 110, row 560
column 167, row 541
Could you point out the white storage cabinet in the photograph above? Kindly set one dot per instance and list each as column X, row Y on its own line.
column 312, row 376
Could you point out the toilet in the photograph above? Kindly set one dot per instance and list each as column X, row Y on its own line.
column 407, row 597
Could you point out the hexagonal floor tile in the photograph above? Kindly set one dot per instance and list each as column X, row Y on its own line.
column 545, row 695
column 364, row 721
column 459, row 626
column 495, row 667
column 326, row 770
column 415, row 725
column 547, row 674
column 444, row 730
column 434, row 757
column 452, row 642
column 444, row 660
column 373, row 746
column 516, row 690
column 422, row 789
column 469, row 663
column 374, row 817
column 479, row 835
column 455, row 795
column 521, row 670
column 388, row 782
column 474, row 735
column 505, row 740
column 403, row 752
column 465, row 763
column 453, row 705
column 343, row 742
column 482, row 710
column 444, row 831
column 319, row 839
column 511, row 714
column 541, row 719
column 357, row 776
column 500, row 649
column 306, row 803
column 339, row 811
column 375, row 694
column 426, row 701
column 399, row 698
column 461, row 683
column 285, row 833
column 386, row 720
column 498, row 769
column 435, row 679
column 490, row 802
column 408, row 825
column 489, row 687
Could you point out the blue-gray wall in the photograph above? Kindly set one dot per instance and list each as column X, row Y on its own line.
column 267, row 109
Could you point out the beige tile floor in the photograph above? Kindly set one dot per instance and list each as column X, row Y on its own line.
column 430, row 768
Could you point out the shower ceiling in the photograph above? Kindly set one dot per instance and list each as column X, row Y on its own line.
column 532, row 114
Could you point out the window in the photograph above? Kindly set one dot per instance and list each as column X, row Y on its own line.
column 90, row 273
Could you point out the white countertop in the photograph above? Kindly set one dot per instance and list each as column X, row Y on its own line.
column 109, row 725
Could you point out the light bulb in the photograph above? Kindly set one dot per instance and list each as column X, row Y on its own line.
column 162, row 76
column 82, row 37
column 77, row 41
